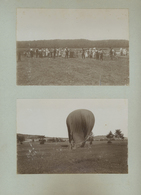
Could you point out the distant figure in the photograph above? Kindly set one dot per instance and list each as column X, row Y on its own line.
column 89, row 52
column 101, row 54
column 54, row 52
column 83, row 53
column 31, row 53
column 93, row 53
column 86, row 53
column 66, row 56
column 121, row 51
column 63, row 53
column 37, row 53
column 124, row 52
column 51, row 51
column 96, row 54
column 59, row 52
column 111, row 53
column 43, row 52
column 46, row 52
column 91, row 140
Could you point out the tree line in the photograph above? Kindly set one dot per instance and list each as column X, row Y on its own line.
column 76, row 43
column 41, row 138
column 118, row 134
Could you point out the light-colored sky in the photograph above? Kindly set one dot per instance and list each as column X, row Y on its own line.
column 48, row 116
column 92, row 24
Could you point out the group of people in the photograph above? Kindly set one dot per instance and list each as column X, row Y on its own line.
column 92, row 53
column 66, row 53
column 113, row 53
column 52, row 53
column 123, row 52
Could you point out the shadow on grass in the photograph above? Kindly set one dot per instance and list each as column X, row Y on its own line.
column 64, row 146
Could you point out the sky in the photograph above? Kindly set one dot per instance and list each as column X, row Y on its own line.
column 48, row 116
column 92, row 24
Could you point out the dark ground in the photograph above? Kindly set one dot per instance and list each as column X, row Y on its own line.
column 73, row 71
column 57, row 158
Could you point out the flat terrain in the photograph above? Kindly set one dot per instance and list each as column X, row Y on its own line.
column 33, row 158
column 73, row 71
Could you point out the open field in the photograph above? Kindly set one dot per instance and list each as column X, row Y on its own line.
column 57, row 158
column 73, row 71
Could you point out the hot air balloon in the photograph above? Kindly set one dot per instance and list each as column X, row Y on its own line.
column 80, row 124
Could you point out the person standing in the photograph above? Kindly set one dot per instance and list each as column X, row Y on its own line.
column 37, row 53
column 66, row 56
column 86, row 53
column 94, row 54
column 90, row 53
column 51, row 51
column 46, row 52
column 83, row 53
column 97, row 54
column 111, row 53
column 54, row 52
column 31, row 53
column 101, row 54
column 59, row 52
column 121, row 51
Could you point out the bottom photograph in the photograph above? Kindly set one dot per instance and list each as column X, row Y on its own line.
column 76, row 136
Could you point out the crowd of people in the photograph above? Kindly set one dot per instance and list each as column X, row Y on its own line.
column 123, row 52
column 66, row 52
column 48, row 52
column 94, row 53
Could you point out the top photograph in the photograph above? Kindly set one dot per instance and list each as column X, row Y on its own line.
column 72, row 47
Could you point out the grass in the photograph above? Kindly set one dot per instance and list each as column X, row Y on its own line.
column 57, row 158
column 73, row 71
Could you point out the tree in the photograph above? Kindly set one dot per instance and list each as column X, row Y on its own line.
column 20, row 139
column 110, row 136
column 119, row 134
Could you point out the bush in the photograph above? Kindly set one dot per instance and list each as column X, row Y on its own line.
column 20, row 139
column 42, row 141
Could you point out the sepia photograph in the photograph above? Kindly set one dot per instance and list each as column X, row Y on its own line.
column 72, row 47
column 72, row 136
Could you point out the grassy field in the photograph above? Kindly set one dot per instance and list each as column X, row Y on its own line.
column 57, row 158
column 73, row 71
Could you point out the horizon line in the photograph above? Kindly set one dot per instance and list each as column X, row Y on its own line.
column 55, row 136
column 74, row 39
